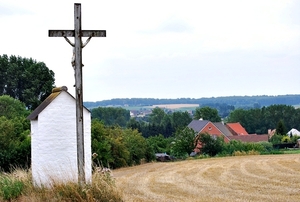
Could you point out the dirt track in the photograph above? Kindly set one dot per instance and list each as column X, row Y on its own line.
column 247, row 178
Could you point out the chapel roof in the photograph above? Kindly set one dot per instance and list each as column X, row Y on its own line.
column 47, row 101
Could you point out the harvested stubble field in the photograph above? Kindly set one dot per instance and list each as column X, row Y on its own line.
column 241, row 178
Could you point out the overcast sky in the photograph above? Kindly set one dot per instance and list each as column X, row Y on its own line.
column 162, row 48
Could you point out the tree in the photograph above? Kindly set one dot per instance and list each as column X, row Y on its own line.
column 260, row 120
column 15, row 150
column 207, row 113
column 160, row 144
column 210, row 145
column 181, row 119
column 157, row 115
column 281, row 129
column 111, row 115
column 10, row 107
column 101, row 144
column 25, row 79
column 137, row 146
column 183, row 143
column 116, row 147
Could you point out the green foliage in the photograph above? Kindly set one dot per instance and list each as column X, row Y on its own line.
column 281, row 129
column 210, row 145
column 234, row 146
column 285, row 139
column 268, row 146
column 223, row 109
column 207, row 113
column 183, row 143
column 111, row 116
column 160, row 144
column 260, row 120
column 136, row 145
column 116, row 147
column 294, row 138
column 15, row 149
column 161, row 123
column 180, row 119
column 10, row 188
column 157, row 115
column 19, row 80
column 11, row 108
column 101, row 144
column 276, row 139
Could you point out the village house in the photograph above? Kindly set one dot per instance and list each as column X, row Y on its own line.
column 229, row 131
column 54, row 139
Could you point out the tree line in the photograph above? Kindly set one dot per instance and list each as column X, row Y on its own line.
column 261, row 119
column 236, row 101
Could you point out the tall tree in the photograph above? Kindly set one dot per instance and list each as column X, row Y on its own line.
column 207, row 113
column 157, row 115
column 281, row 129
column 181, row 119
column 183, row 143
column 112, row 115
column 25, row 79
column 260, row 120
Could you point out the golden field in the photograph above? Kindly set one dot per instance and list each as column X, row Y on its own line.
column 176, row 106
column 240, row 178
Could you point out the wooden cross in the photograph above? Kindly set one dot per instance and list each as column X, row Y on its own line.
column 77, row 33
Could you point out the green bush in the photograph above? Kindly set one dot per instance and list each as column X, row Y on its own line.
column 238, row 146
column 210, row 145
column 268, row 146
column 10, row 188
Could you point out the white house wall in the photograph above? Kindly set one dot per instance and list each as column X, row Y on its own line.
column 54, row 145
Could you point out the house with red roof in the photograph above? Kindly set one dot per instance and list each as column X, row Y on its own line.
column 230, row 131
column 214, row 129
column 236, row 129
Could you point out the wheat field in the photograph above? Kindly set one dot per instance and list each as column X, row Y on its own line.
column 241, row 178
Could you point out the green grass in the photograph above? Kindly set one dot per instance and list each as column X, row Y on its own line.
column 291, row 151
column 10, row 188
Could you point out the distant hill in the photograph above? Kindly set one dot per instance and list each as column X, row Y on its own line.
column 236, row 101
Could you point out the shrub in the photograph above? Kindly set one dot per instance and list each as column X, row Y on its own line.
column 268, row 146
column 238, row 146
column 285, row 138
column 276, row 139
column 10, row 188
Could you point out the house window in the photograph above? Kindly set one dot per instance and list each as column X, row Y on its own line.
column 209, row 128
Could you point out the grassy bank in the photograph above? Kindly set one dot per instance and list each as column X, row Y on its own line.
column 18, row 186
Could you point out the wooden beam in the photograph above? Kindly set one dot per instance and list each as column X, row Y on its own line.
column 79, row 95
column 71, row 33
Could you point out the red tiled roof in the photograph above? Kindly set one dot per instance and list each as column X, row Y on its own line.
column 250, row 138
column 236, row 128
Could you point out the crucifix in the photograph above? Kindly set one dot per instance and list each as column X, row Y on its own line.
column 77, row 33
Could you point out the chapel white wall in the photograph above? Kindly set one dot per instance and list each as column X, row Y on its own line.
column 54, row 145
